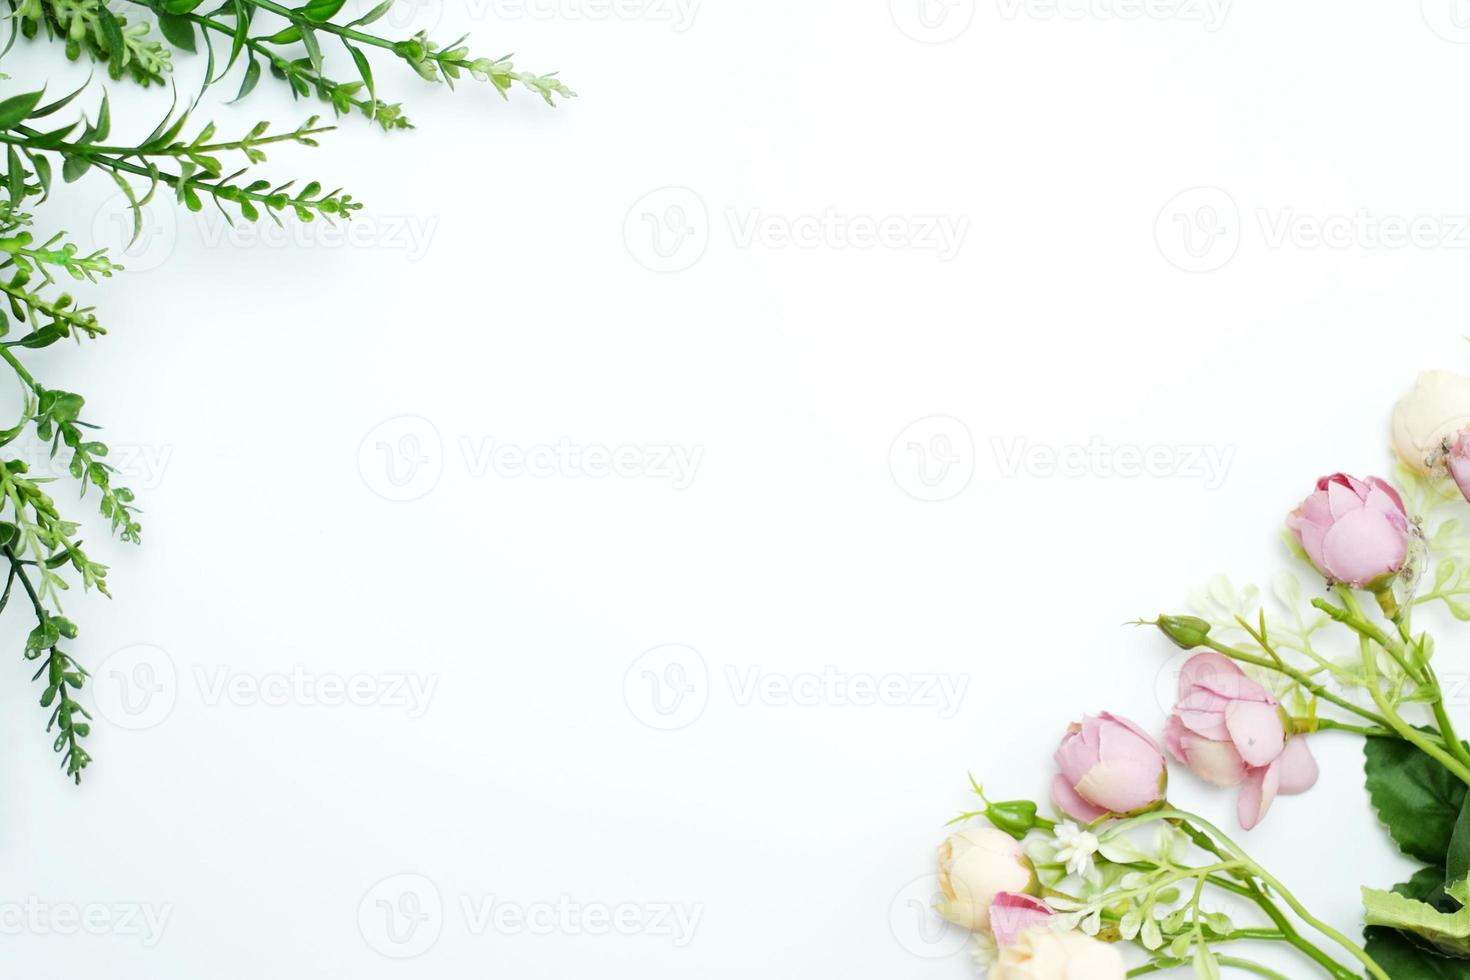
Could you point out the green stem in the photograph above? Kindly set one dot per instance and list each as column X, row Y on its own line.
column 1328, row 724
column 1353, row 618
column 1317, row 690
column 1406, row 731
column 1291, row 900
column 1235, row 962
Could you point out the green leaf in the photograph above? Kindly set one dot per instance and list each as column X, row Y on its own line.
column 179, row 31
column 59, row 104
column 44, row 337
column 117, row 48
column 15, row 109
column 321, row 11
column 43, row 637
column 252, row 75
column 313, row 49
column 373, row 14
column 1416, row 798
column 180, row 6
column 1457, row 859
column 366, row 71
column 1447, row 932
column 1406, row 957
column 74, row 167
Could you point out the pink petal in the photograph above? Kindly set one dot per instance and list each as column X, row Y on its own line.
column 1362, row 547
column 1218, row 674
column 1316, row 510
column 1214, row 762
column 1256, row 730
column 1309, row 536
column 1297, row 767
column 1343, row 500
column 1256, row 795
column 1203, row 712
column 1386, row 487
column 1174, row 735
column 1459, row 463
column 1074, row 756
column 1012, row 913
column 1144, row 736
column 1069, row 802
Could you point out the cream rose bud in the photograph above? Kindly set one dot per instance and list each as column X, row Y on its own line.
column 1045, row 954
column 1428, row 417
column 976, row 865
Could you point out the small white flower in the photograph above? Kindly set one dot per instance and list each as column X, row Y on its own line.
column 986, row 950
column 1076, row 848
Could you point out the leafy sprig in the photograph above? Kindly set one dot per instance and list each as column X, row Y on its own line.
column 47, row 145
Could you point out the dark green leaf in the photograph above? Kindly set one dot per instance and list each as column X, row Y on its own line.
column 1416, row 798
column 321, row 11
column 252, row 75
column 73, row 168
column 44, row 337
column 117, row 48
column 178, row 30
column 17, row 108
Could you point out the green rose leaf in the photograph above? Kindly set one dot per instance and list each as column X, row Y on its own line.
column 1406, row 957
column 1457, row 859
column 1416, row 798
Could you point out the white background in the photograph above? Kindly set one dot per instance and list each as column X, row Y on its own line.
column 276, row 400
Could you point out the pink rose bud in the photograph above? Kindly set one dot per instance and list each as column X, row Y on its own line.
column 1355, row 532
column 1012, row 913
column 1108, row 765
column 1458, row 461
column 1228, row 730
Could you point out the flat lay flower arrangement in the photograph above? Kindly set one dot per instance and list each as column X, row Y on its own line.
column 1331, row 653
column 322, row 54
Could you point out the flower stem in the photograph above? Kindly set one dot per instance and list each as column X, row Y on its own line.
column 1291, row 901
column 1317, row 690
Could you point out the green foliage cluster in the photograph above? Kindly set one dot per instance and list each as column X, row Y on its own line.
column 49, row 143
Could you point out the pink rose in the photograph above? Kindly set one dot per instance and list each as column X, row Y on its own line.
column 1012, row 913
column 1356, row 533
column 1227, row 729
column 1108, row 765
column 1458, row 461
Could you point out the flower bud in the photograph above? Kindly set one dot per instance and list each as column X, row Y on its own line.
column 975, row 865
column 1354, row 531
column 1457, row 460
column 1012, row 913
column 1042, row 953
column 1186, row 632
column 1108, row 765
column 1429, row 417
column 1015, row 817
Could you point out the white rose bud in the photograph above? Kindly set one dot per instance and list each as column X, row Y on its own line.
column 976, row 865
column 1045, row 954
column 1429, row 417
